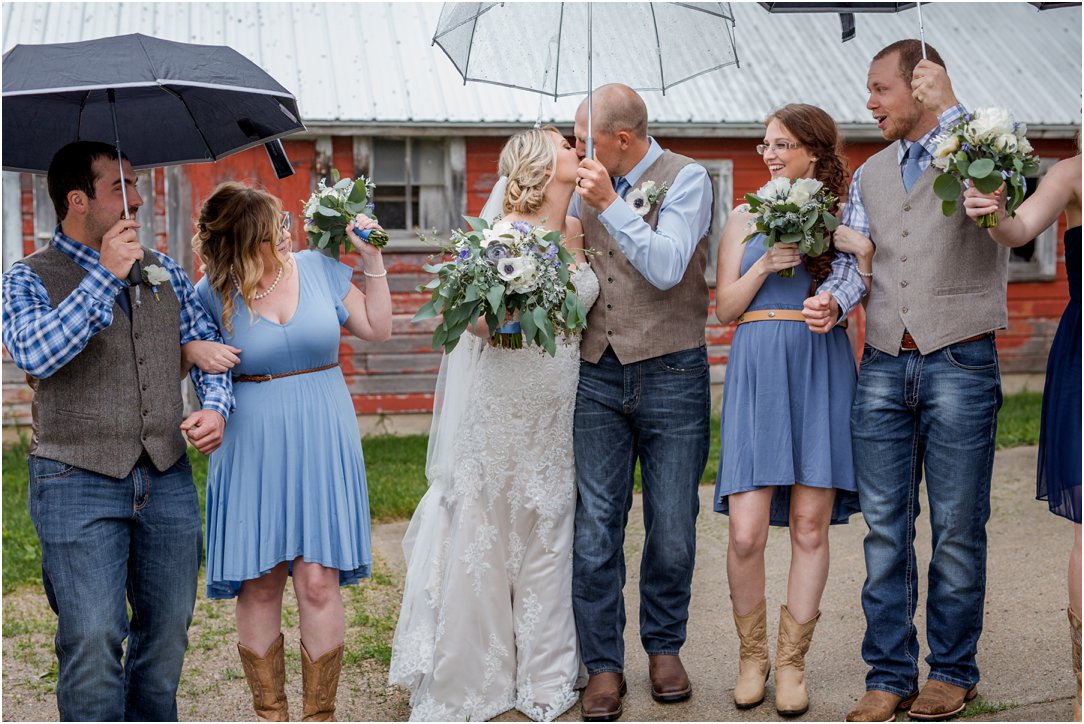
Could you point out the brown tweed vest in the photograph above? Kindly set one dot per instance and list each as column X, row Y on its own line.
column 121, row 395
column 636, row 318
column 940, row 278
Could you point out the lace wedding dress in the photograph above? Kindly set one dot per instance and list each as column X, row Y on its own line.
column 486, row 623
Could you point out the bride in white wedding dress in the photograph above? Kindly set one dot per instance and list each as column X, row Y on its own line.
column 486, row 622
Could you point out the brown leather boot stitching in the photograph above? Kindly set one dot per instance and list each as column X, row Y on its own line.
column 320, row 684
column 754, row 664
column 266, row 678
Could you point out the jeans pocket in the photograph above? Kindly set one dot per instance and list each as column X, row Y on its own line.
column 42, row 469
column 869, row 354
column 687, row 361
column 980, row 355
column 183, row 464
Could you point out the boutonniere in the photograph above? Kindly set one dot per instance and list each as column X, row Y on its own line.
column 153, row 275
column 642, row 199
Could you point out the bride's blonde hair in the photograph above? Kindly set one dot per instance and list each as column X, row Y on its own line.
column 529, row 160
column 233, row 222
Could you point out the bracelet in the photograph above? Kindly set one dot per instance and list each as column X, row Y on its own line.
column 381, row 275
column 864, row 275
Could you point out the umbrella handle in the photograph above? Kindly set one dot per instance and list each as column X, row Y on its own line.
column 135, row 274
column 590, row 141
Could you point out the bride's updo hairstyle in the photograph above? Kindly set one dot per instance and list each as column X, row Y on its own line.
column 819, row 135
column 233, row 222
column 529, row 160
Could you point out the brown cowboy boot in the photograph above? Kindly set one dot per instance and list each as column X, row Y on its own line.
column 267, row 679
column 753, row 660
column 1074, row 629
column 320, row 683
column 791, row 698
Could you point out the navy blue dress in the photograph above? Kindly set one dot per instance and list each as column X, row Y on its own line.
column 786, row 404
column 1059, row 437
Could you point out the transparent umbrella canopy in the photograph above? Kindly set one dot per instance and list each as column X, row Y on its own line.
column 562, row 49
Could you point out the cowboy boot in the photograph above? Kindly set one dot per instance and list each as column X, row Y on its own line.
column 753, row 661
column 791, row 698
column 267, row 679
column 319, row 684
column 1074, row 628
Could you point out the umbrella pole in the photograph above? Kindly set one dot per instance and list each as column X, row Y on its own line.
column 921, row 30
column 590, row 87
column 135, row 274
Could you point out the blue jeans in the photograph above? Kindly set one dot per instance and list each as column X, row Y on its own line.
column 656, row 411
column 934, row 413
column 104, row 538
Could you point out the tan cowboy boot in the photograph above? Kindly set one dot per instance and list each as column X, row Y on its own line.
column 791, row 698
column 753, row 661
column 319, row 684
column 267, row 679
column 1074, row 628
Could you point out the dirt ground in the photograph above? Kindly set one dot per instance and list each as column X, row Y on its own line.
column 212, row 683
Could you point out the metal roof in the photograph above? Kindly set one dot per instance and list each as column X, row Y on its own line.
column 368, row 65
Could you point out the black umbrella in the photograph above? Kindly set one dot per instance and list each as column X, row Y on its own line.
column 171, row 103
column 846, row 13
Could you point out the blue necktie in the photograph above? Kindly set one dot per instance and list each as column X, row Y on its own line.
column 125, row 304
column 911, row 168
column 621, row 186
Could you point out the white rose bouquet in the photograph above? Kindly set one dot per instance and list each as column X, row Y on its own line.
column 796, row 212
column 987, row 148
column 508, row 270
column 330, row 210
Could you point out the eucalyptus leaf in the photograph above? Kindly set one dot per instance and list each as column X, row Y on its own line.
column 494, row 296
column 988, row 184
column 530, row 329
column 426, row 311
column 326, row 210
column 948, row 207
column 947, row 187
column 980, row 168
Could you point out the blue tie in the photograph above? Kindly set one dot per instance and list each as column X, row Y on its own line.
column 122, row 300
column 911, row 167
column 621, row 186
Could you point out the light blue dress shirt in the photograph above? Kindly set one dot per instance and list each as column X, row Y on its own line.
column 661, row 254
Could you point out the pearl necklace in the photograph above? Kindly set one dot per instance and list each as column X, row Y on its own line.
column 265, row 292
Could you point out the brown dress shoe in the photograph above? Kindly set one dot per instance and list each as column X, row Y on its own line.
column 601, row 698
column 669, row 682
column 878, row 705
column 939, row 700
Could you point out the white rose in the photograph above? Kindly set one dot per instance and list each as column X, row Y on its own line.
column 1021, row 130
column 1024, row 146
column 495, row 233
column 941, row 162
column 989, row 123
column 803, row 190
column 1006, row 143
column 948, row 146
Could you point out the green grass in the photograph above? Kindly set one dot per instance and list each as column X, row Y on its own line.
column 395, row 467
column 1018, row 421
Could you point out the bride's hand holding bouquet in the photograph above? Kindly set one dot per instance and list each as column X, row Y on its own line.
column 509, row 271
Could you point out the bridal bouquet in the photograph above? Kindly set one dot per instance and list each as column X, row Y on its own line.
column 330, row 210
column 793, row 213
column 508, row 270
column 987, row 148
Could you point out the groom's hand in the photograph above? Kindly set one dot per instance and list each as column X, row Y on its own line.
column 594, row 185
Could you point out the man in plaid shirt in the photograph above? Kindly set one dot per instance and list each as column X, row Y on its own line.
column 111, row 492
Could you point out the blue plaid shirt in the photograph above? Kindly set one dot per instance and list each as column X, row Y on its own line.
column 41, row 339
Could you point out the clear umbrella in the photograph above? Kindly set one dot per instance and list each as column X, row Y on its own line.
column 562, row 49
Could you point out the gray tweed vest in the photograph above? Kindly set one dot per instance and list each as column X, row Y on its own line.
column 940, row 278
column 121, row 395
column 636, row 318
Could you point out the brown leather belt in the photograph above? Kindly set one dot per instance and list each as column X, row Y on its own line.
column 268, row 378
column 777, row 315
column 908, row 342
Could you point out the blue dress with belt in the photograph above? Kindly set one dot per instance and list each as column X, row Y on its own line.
column 787, row 397
column 289, row 477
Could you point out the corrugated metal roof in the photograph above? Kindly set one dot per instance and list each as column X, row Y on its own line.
column 357, row 65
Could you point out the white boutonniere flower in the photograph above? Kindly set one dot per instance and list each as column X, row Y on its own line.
column 153, row 275
column 642, row 199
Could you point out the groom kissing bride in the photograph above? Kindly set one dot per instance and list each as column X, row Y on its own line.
column 644, row 394
column 504, row 596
